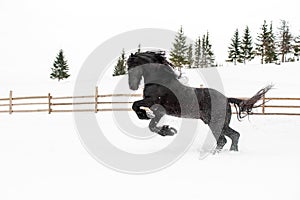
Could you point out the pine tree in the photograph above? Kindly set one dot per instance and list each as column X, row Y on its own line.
column 247, row 52
column 210, row 59
column 284, row 40
column 190, row 59
column 262, row 44
column 60, row 67
column 120, row 67
column 179, row 50
column 270, row 49
column 197, row 55
column 235, row 48
column 207, row 58
column 203, row 53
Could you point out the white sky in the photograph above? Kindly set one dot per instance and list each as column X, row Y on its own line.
column 33, row 31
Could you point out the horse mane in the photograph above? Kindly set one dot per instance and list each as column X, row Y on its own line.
column 155, row 60
column 141, row 58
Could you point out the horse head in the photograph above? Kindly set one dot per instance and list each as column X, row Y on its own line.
column 152, row 65
column 135, row 75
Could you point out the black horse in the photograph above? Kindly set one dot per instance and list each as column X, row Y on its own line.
column 164, row 94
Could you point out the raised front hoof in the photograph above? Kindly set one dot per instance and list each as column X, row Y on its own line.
column 167, row 131
column 234, row 148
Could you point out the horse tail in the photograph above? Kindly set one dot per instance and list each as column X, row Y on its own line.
column 244, row 107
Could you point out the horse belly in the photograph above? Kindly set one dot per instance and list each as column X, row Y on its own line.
column 185, row 111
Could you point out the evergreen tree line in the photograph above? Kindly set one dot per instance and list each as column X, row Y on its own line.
column 195, row 55
column 271, row 47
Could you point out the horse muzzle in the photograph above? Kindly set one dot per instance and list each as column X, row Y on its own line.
column 133, row 87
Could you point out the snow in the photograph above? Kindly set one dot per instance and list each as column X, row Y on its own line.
column 42, row 156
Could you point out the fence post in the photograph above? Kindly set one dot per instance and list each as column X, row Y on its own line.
column 10, row 102
column 49, row 103
column 263, row 104
column 96, row 99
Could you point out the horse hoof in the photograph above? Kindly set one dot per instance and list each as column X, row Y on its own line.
column 173, row 131
column 215, row 151
column 234, row 148
column 167, row 131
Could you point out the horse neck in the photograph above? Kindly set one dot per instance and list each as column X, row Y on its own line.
column 157, row 76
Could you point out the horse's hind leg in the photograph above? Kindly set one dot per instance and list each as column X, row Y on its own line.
column 219, row 128
column 218, row 133
column 221, row 142
column 234, row 136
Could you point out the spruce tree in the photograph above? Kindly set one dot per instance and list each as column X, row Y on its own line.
column 207, row 58
column 235, row 48
column 197, row 55
column 203, row 60
column 270, row 54
column 210, row 59
column 60, row 67
column 190, row 59
column 120, row 67
column 284, row 40
column 179, row 50
column 247, row 51
column 262, row 44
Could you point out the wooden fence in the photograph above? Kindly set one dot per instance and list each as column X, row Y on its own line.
column 96, row 102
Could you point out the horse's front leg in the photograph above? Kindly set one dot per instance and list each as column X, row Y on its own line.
column 164, row 130
column 139, row 108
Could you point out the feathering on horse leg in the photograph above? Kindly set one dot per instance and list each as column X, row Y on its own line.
column 221, row 142
column 234, row 136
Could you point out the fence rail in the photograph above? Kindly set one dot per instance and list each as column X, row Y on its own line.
column 96, row 103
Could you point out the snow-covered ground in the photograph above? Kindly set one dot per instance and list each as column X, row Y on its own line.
column 42, row 156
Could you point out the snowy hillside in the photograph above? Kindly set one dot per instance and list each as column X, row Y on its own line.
column 42, row 156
